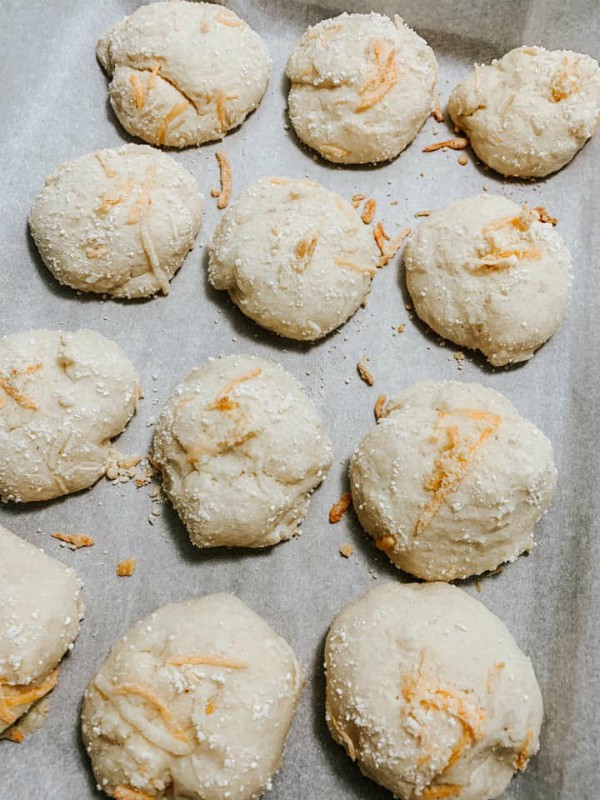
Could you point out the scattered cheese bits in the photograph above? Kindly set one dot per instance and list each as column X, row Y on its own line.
column 357, row 200
column 493, row 673
column 334, row 150
column 544, row 216
column 108, row 169
column 523, row 754
column 222, row 110
column 383, row 77
column 345, row 264
column 388, row 251
column 385, row 542
column 566, row 80
column 174, row 112
column 21, row 399
column 364, row 372
column 144, row 199
column 74, row 540
column 223, row 194
column 338, row 510
column 378, row 407
column 223, row 401
column 304, row 252
column 440, row 791
column 198, row 660
column 504, row 241
column 126, row 568
column 17, row 697
column 458, row 143
column 346, row 550
column 438, row 114
column 125, row 793
column 369, row 211
column 147, row 694
column 138, row 94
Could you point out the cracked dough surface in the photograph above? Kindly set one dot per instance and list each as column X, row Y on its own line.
column 117, row 221
column 430, row 693
column 40, row 610
column 295, row 257
column 63, row 397
column 452, row 480
column 528, row 113
column 362, row 87
column 183, row 73
column 194, row 703
column 488, row 275
column 240, row 448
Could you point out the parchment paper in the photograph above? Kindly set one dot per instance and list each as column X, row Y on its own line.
column 54, row 107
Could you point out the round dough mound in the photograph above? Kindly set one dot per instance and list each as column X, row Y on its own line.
column 183, row 73
column 295, row 257
column 528, row 113
column 430, row 694
column 362, row 87
column 241, row 448
column 63, row 396
column 117, row 221
column 195, row 702
column 40, row 609
column 452, row 480
column 488, row 275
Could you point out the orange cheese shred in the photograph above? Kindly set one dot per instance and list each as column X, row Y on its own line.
column 75, row 540
column 138, row 92
column 168, row 118
column 224, row 193
column 384, row 76
column 337, row 510
column 523, row 754
column 223, row 402
column 203, row 660
column 139, row 690
column 459, row 143
column 369, row 211
column 125, row 793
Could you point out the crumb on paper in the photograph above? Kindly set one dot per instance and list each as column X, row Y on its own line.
column 463, row 160
column 121, row 468
column 425, row 213
column 357, row 199
column 346, row 550
column 364, row 371
column 337, row 510
column 388, row 251
column 126, row 568
column 401, row 328
column 438, row 114
column 223, row 194
column 378, row 407
column 458, row 143
column 13, row 734
column 544, row 216
column 368, row 214
column 478, row 585
column 74, row 540
column 459, row 357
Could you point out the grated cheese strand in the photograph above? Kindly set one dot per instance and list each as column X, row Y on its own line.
column 223, row 402
column 168, row 118
column 199, row 660
column 224, row 194
column 383, row 78
column 75, row 540
column 337, row 510
column 138, row 93
column 139, row 690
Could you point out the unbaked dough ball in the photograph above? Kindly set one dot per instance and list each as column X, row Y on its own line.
column 295, row 257
column 362, row 87
column 430, row 694
column 40, row 610
column 451, row 481
column 183, row 73
column 194, row 703
column 528, row 113
column 240, row 448
column 488, row 275
column 117, row 221
column 63, row 396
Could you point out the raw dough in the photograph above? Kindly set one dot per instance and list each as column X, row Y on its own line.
column 362, row 87
column 40, row 610
column 183, row 73
column 452, row 480
column 430, row 694
column 487, row 274
column 528, row 113
column 294, row 257
column 117, row 221
column 63, row 396
column 194, row 703
column 241, row 448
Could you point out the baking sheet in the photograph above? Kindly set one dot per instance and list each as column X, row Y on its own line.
column 54, row 107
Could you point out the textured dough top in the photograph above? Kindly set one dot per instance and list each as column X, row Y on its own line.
column 452, row 480
column 487, row 274
column 430, row 693
column 183, row 73
column 117, row 221
column 63, row 397
column 194, row 702
column 529, row 112
column 240, row 447
column 362, row 87
column 295, row 257
column 40, row 609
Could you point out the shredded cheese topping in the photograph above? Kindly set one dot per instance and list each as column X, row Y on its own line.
column 8, row 386
column 75, row 540
column 224, row 194
column 337, row 510
column 458, row 143
column 125, row 793
column 566, row 80
column 524, row 753
column 148, row 695
column 384, row 76
column 369, row 211
column 223, row 401
column 504, row 241
column 346, row 264
column 177, row 109
column 304, row 252
column 17, row 697
column 208, row 660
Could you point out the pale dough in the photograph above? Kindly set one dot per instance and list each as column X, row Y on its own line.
column 194, row 703
column 40, row 610
column 430, row 694
column 488, row 275
column 361, row 87
column 117, row 221
column 183, row 73
column 240, row 448
column 451, row 481
column 295, row 257
column 63, row 396
column 528, row 113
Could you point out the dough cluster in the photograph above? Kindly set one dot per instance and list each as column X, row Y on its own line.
column 40, row 610
column 63, row 397
column 528, row 113
column 362, row 87
column 183, row 73
column 117, row 221
column 194, row 702
column 429, row 693
column 294, row 257
column 452, row 480
column 241, row 448
column 488, row 275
